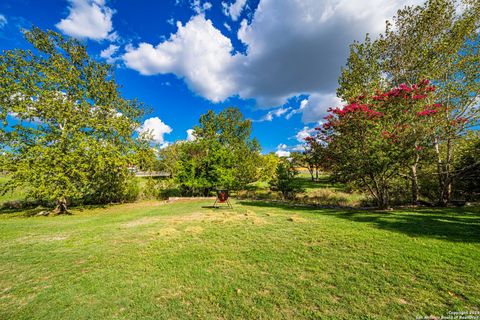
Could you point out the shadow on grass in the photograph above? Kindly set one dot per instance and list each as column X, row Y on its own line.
column 32, row 210
column 451, row 224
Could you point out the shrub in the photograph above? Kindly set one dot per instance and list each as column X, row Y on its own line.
column 284, row 180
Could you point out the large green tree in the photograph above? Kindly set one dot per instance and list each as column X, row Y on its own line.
column 67, row 134
column 222, row 155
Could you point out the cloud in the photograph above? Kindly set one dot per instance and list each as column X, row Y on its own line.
column 273, row 113
column 282, row 150
column 156, row 128
column 302, row 134
column 234, row 10
column 3, row 21
column 190, row 135
column 282, row 153
column 298, row 47
column 200, row 8
column 108, row 53
column 293, row 48
column 198, row 52
column 300, row 109
column 316, row 106
column 90, row 19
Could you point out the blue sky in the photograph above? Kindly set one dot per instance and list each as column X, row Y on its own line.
column 276, row 60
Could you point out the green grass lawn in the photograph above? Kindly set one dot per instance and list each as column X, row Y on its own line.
column 150, row 260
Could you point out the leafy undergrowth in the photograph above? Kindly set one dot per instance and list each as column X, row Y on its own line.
column 152, row 260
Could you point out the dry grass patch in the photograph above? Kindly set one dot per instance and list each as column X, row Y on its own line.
column 33, row 238
column 167, row 232
column 141, row 222
column 194, row 230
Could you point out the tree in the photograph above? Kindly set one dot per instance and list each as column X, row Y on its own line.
column 371, row 139
column 439, row 41
column 268, row 167
column 314, row 155
column 67, row 134
column 169, row 159
column 284, row 180
column 222, row 155
column 363, row 71
column 436, row 41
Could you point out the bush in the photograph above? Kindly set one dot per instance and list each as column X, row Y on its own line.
column 132, row 191
column 328, row 197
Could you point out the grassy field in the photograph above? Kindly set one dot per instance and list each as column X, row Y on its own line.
column 151, row 260
column 12, row 195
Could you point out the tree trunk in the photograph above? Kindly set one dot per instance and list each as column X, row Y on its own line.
column 382, row 196
column 448, row 175
column 61, row 207
column 414, row 180
column 310, row 169
column 440, row 174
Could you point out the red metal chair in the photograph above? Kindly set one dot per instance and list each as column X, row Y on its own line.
column 222, row 197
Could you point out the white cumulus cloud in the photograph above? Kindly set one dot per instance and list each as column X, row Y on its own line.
column 108, row 53
column 234, row 10
column 317, row 104
column 305, row 132
column 198, row 52
column 90, row 19
column 155, row 128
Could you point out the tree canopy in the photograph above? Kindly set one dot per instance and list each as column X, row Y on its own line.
column 67, row 134
column 222, row 155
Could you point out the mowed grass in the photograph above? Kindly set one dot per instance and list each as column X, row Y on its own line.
column 151, row 260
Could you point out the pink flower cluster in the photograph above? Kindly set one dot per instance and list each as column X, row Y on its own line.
column 427, row 112
column 355, row 107
column 415, row 92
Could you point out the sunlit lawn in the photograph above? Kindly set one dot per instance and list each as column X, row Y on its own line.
column 259, row 261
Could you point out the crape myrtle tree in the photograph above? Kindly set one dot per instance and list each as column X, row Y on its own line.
column 222, row 154
column 67, row 135
column 371, row 139
column 438, row 40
